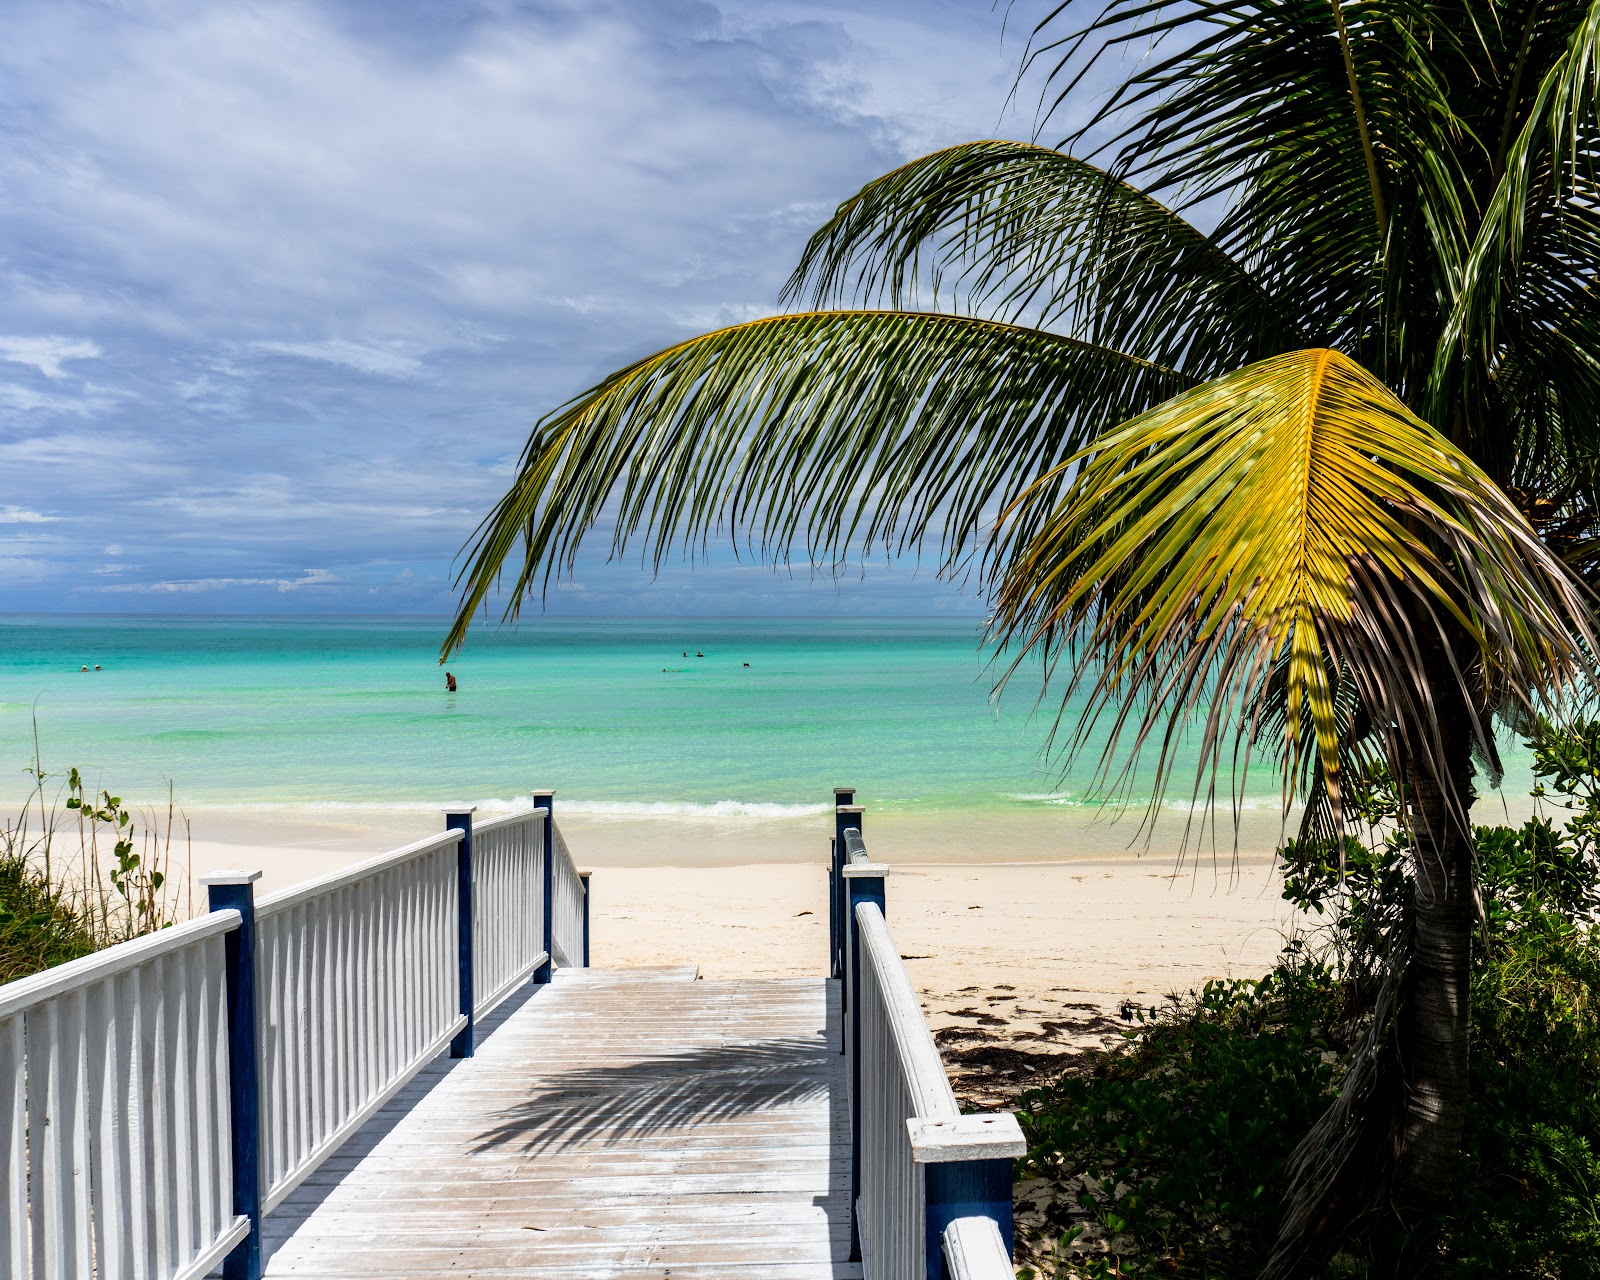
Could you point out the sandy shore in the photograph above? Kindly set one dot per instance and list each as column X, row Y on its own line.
column 1021, row 961
column 748, row 897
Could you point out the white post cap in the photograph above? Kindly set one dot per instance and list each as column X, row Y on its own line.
column 230, row 877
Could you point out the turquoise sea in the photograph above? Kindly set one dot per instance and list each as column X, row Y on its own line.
column 621, row 716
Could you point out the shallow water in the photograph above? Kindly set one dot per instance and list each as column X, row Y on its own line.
column 620, row 715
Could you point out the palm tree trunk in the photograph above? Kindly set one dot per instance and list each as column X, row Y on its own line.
column 1435, row 1016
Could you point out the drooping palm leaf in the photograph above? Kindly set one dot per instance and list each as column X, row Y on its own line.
column 1267, row 536
column 1353, row 105
column 813, row 433
column 1548, row 170
column 1016, row 231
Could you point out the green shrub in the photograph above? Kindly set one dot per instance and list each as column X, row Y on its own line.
column 1176, row 1148
column 80, row 871
column 1172, row 1150
column 38, row 926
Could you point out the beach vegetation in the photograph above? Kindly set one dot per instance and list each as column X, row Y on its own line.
column 1263, row 407
column 1170, row 1156
column 81, row 870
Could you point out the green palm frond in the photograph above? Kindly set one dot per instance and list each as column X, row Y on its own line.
column 1292, row 535
column 1324, row 133
column 1548, row 175
column 820, row 432
column 1014, row 230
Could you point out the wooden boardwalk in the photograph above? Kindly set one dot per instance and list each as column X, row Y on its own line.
column 616, row 1123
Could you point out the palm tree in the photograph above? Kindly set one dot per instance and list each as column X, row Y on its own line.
column 1321, row 482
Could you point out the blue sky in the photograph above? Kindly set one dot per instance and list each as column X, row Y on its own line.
column 283, row 285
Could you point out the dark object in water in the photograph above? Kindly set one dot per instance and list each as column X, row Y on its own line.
column 449, row 682
column 698, row 654
column 747, row 664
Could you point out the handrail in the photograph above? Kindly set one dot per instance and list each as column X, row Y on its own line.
column 357, row 981
column 974, row 1250
column 569, row 892
column 129, row 1042
column 508, row 819
column 916, row 1053
column 919, row 1168
column 158, row 1097
column 304, row 892
column 508, row 857
column 16, row 997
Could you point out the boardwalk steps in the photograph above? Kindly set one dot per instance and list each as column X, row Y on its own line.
column 674, row 1128
column 407, row 1069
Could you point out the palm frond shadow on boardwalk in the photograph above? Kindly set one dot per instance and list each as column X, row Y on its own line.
column 613, row 1104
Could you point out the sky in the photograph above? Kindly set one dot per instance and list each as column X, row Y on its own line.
column 283, row 286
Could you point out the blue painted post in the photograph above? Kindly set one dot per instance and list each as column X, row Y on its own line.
column 966, row 1173
column 841, row 796
column 461, row 1046
column 863, row 883
column 965, row 1189
column 844, row 816
column 235, row 891
column 584, row 876
column 546, row 800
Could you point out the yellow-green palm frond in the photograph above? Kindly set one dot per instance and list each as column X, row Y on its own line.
column 1274, row 547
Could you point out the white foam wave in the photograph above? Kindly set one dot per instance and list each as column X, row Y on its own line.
column 1136, row 801
column 672, row 809
column 495, row 805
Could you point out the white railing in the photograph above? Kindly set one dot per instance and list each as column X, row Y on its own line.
column 508, row 880
column 115, row 1146
column 973, row 1250
column 356, row 991
column 567, row 917
column 918, row 1166
column 140, row 1102
column 902, row 1078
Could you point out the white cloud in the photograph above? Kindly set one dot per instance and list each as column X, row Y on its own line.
column 47, row 354
column 193, row 586
column 351, row 355
column 12, row 514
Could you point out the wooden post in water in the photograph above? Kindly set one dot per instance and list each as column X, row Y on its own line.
column 461, row 1046
column 966, row 1164
column 235, row 891
column 863, row 882
column 546, row 800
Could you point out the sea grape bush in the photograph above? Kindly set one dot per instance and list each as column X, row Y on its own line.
column 1171, row 1152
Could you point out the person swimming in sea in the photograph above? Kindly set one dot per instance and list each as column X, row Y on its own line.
column 449, row 682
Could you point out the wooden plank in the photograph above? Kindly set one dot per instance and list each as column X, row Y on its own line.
column 613, row 1124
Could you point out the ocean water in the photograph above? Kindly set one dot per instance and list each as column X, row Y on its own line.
column 621, row 716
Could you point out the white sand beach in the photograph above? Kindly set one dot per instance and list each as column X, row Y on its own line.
column 1004, row 945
